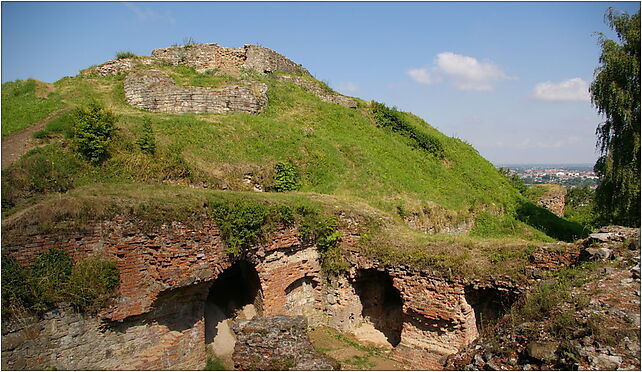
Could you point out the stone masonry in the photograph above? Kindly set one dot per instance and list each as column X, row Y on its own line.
column 204, row 57
column 154, row 91
column 158, row 319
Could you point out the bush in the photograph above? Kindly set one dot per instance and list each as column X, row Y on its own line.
column 93, row 129
column 286, row 177
column 391, row 118
column 243, row 223
column 53, row 278
column 125, row 54
column 146, row 141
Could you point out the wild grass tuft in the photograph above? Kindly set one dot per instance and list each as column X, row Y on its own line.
column 125, row 54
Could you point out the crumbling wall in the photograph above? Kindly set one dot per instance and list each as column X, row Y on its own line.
column 154, row 91
column 158, row 320
column 204, row 57
column 167, row 337
column 119, row 66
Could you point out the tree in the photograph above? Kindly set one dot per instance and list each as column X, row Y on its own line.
column 93, row 128
column 615, row 93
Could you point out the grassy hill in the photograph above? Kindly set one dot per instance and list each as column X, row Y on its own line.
column 351, row 155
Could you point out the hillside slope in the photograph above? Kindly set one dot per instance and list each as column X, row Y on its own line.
column 328, row 148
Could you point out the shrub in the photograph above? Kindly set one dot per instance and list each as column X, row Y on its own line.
column 93, row 129
column 125, row 54
column 242, row 223
column 391, row 118
column 286, row 177
column 146, row 141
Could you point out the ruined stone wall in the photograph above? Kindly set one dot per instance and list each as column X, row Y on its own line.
column 204, row 57
column 119, row 66
column 168, row 337
column 154, row 91
column 266, row 60
column 158, row 320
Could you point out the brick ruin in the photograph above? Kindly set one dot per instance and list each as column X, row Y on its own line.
column 179, row 289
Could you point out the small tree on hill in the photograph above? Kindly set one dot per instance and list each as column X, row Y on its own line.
column 93, row 128
column 615, row 93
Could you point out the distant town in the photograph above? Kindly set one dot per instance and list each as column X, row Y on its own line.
column 569, row 175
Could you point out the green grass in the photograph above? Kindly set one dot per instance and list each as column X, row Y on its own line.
column 335, row 150
column 25, row 103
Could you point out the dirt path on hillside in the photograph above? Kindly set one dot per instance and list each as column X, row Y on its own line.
column 16, row 145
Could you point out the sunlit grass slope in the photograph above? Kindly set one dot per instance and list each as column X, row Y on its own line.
column 337, row 150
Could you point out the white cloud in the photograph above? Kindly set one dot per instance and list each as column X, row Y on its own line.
column 348, row 86
column 148, row 14
column 466, row 73
column 574, row 89
column 421, row 75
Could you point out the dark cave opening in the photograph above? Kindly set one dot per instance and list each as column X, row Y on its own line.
column 489, row 304
column 381, row 302
column 234, row 288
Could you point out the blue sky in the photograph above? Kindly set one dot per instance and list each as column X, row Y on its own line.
column 509, row 78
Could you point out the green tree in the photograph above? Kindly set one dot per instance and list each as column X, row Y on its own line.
column 615, row 93
column 93, row 128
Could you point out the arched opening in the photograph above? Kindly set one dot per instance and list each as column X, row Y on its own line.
column 381, row 303
column 300, row 296
column 234, row 294
column 489, row 305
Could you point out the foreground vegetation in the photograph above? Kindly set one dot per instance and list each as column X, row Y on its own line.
column 54, row 278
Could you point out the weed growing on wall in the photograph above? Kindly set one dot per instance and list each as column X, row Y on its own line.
column 53, row 278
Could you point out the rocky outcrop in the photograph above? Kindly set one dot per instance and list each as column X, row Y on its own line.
column 154, row 91
column 325, row 94
column 277, row 343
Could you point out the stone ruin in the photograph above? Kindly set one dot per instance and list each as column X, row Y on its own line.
column 180, row 295
column 156, row 92
column 152, row 90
